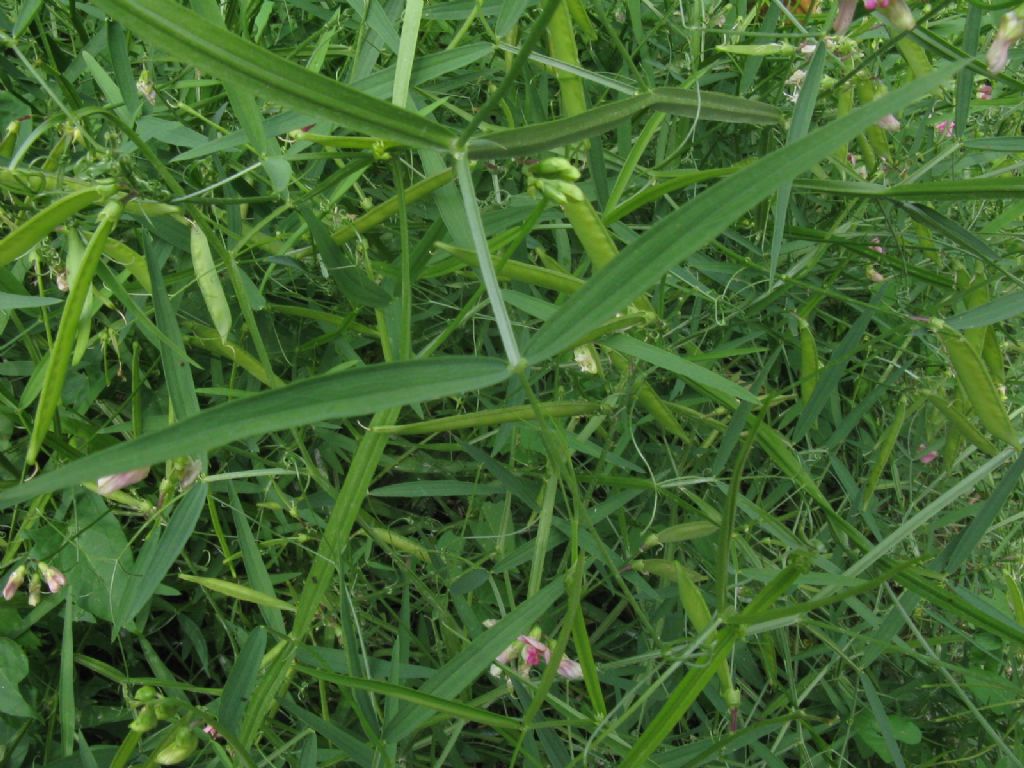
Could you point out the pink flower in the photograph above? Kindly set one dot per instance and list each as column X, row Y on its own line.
column 1011, row 29
column 984, row 92
column 877, row 247
column 14, row 582
column 872, row 5
column 928, row 457
column 945, row 128
column 212, row 732
column 54, row 579
column 845, row 16
column 570, row 669
column 534, row 650
column 111, row 483
column 889, row 123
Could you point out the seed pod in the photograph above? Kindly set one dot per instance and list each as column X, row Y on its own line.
column 978, row 385
column 10, row 137
column 809, row 365
column 959, row 422
column 60, row 352
column 209, row 284
column 993, row 357
column 885, row 445
column 696, row 529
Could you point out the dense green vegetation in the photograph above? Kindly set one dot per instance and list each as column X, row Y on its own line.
column 478, row 383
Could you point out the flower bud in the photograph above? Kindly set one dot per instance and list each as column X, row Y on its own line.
column 35, row 590
column 14, row 582
column 54, row 578
column 145, row 721
column 184, row 744
column 110, row 483
column 556, row 168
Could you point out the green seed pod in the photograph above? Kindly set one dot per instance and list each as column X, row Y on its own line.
column 977, row 383
column 10, row 137
column 209, row 283
column 696, row 529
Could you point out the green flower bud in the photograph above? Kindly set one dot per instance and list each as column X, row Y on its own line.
column 146, row 720
column 184, row 744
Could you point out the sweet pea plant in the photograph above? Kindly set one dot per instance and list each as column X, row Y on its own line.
column 533, row 383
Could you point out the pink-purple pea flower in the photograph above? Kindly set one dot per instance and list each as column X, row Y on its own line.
column 112, row 483
column 945, row 128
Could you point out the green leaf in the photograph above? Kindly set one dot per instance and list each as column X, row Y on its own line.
column 13, row 669
column 237, row 591
column 695, row 224
column 158, row 555
column 688, row 370
column 237, row 61
column 354, row 392
column 99, row 560
column 9, row 301
column 995, row 311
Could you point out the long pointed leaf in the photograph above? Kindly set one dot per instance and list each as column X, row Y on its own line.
column 189, row 37
column 331, row 396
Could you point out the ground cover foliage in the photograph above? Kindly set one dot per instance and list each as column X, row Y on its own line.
column 519, row 383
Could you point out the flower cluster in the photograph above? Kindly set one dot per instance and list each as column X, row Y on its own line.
column 36, row 575
column 530, row 650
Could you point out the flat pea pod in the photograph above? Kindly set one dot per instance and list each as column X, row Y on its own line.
column 961, row 424
column 1014, row 597
column 650, row 400
column 10, row 137
column 209, row 284
column 75, row 257
column 886, row 443
column 697, row 611
column 867, row 91
column 975, row 295
column 562, row 46
column 131, row 260
column 595, row 237
column 993, row 356
column 844, row 106
column 60, row 352
column 809, row 365
column 915, row 56
column 389, row 538
column 695, row 529
column 978, row 385
column 39, row 226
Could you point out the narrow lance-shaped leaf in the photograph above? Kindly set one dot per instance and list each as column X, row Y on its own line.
column 643, row 262
column 347, row 393
column 235, row 60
